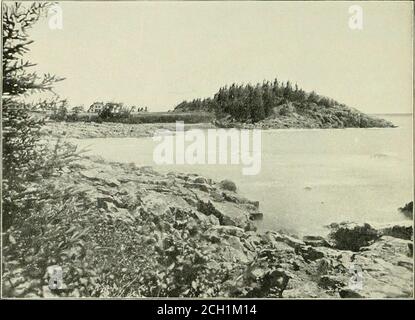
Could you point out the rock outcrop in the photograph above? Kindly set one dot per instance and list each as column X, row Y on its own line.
column 355, row 261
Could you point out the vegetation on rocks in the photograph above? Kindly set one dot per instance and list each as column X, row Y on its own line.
column 352, row 237
column 278, row 105
column 117, row 230
column 126, row 231
column 107, row 115
column 25, row 158
column 408, row 210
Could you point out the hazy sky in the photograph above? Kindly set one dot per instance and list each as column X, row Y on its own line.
column 157, row 54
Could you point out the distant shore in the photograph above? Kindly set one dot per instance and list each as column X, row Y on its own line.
column 87, row 130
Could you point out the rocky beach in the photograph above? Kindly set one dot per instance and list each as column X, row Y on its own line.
column 93, row 207
column 125, row 209
column 85, row 130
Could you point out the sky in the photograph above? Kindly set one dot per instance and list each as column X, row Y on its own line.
column 157, row 54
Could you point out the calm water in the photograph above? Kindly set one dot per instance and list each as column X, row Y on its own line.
column 309, row 178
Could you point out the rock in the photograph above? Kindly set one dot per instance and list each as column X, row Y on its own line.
column 387, row 269
column 282, row 247
column 235, row 243
column 228, row 230
column 257, row 273
column 256, row 216
column 227, row 213
column 122, row 214
column 405, row 264
column 129, row 195
column 310, row 253
column 201, row 186
column 235, row 198
column 316, row 241
column 330, row 282
column 89, row 174
column 159, row 203
column 200, row 180
column 108, row 206
column 280, row 237
column 228, row 185
column 213, row 220
column 219, row 234
column 235, row 255
column 273, row 280
column 47, row 293
column 207, row 219
column 261, row 264
column 349, row 294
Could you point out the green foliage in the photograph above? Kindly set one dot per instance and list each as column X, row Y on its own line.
column 60, row 110
column 51, row 219
column 353, row 239
column 23, row 154
column 17, row 19
column 249, row 103
column 166, row 255
column 160, row 256
column 137, row 118
column 53, row 231
column 107, row 112
column 408, row 209
column 30, row 205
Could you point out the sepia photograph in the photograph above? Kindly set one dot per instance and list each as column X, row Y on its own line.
column 207, row 150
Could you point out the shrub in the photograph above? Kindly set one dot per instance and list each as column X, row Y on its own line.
column 228, row 185
column 348, row 238
column 408, row 209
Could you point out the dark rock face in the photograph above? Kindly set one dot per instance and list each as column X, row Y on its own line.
column 349, row 294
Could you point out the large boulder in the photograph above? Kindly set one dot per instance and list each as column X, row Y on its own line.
column 158, row 203
column 228, row 214
column 316, row 241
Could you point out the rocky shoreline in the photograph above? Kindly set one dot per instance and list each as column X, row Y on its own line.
column 243, row 261
column 86, row 130
column 295, row 120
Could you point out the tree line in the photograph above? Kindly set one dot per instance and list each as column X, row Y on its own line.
column 252, row 103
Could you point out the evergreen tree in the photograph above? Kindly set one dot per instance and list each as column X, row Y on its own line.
column 246, row 102
column 23, row 154
column 257, row 112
